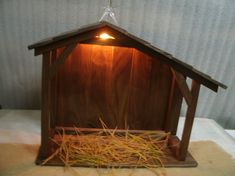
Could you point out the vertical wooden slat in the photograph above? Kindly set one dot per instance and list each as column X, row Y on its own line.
column 189, row 121
column 53, row 92
column 120, row 84
column 174, row 107
column 45, row 111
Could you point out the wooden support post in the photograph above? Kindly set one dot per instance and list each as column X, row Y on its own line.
column 189, row 121
column 63, row 56
column 45, row 111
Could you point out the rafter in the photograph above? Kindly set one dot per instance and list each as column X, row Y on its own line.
column 182, row 84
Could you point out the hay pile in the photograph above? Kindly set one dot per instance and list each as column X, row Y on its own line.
column 108, row 148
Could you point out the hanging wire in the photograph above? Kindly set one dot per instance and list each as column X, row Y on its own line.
column 109, row 13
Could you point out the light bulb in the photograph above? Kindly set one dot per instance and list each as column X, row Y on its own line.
column 105, row 36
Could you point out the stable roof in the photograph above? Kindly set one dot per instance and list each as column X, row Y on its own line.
column 88, row 34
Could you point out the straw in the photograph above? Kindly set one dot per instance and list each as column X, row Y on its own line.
column 107, row 148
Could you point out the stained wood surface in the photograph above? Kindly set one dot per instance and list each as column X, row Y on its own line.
column 123, row 86
column 189, row 119
column 53, row 90
column 122, row 132
column 45, row 115
column 174, row 106
column 59, row 61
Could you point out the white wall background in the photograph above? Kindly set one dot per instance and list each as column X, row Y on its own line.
column 199, row 32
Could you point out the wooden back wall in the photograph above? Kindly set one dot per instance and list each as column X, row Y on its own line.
column 123, row 86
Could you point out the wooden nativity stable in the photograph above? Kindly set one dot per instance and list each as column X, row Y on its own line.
column 102, row 70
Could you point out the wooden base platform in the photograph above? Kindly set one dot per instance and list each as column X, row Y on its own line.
column 170, row 162
column 169, row 159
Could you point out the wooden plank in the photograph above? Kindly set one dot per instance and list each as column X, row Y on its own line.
column 53, row 89
column 69, row 130
column 149, row 90
column 120, row 88
column 181, row 81
column 174, row 107
column 167, row 163
column 189, row 121
column 168, row 119
column 123, row 86
column 63, row 56
column 45, row 108
column 97, row 41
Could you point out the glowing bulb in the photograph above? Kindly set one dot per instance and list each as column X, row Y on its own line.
column 105, row 36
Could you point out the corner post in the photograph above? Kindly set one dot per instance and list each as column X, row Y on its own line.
column 195, row 88
column 45, row 111
column 53, row 91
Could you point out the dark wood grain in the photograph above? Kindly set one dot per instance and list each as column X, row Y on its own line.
column 122, row 132
column 45, row 114
column 53, row 92
column 125, row 87
column 189, row 121
column 174, row 107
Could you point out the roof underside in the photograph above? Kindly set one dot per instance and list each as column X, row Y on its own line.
column 123, row 38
